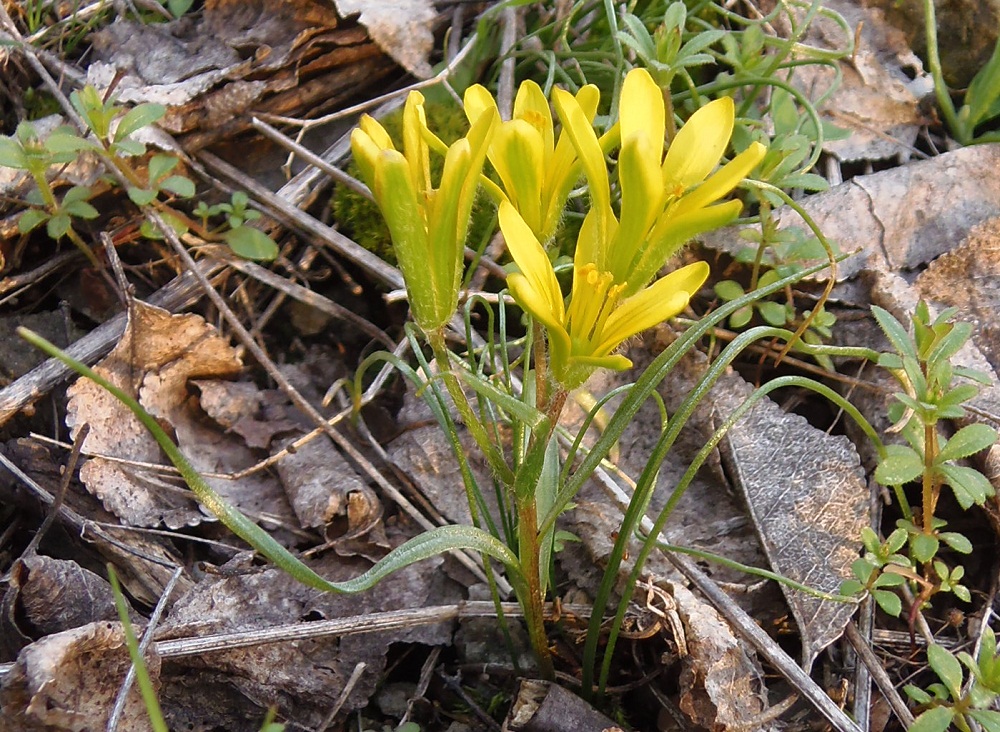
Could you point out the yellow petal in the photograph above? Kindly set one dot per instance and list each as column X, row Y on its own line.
column 531, row 260
column 698, row 147
column 479, row 137
column 588, row 150
column 478, row 100
column 376, row 131
column 671, row 233
column 414, row 145
column 723, row 181
column 520, row 162
column 365, row 152
column 641, row 111
column 593, row 242
column 564, row 169
column 642, row 200
column 662, row 300
column 531, row 106
column 538, row 306
column 445, row 230
column 401, row 207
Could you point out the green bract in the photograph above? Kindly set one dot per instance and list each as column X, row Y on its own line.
column 428, row 225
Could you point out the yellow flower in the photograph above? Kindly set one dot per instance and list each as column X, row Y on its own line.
column 585, row 335
column 537, row 171
column 428, row 225
column 665, row 200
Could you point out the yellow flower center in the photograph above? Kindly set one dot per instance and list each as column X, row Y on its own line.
column 594, row 297
column 535, row 118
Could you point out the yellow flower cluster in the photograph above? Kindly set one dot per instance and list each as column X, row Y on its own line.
column 667, row 197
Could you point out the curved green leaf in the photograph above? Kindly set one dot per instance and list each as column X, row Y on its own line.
column 428, row 544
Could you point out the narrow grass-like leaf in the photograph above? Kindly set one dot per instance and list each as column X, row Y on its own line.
column 424, row 546
column 142, row 678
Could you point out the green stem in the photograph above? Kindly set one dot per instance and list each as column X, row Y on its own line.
column 929, row 486
column 940, row 87
column 465, row 411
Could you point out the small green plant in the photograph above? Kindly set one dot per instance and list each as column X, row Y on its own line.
column 111, row 129
column 880, row 568
column 952, row 700
column 933, row 390
column 981, row 103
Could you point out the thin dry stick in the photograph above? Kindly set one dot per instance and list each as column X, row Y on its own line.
column 764, row 644
column 353, row 625
column 56, row 505
column 879, row 676
column 282, row 209
column 355, row 677
column 300, row 293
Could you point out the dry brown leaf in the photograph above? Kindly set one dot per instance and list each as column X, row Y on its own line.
column 721, row 686
column 157, row 355
column 403, row 29
column 69, row 681
column 304, row 678
column 47, row 596
column 806, row 493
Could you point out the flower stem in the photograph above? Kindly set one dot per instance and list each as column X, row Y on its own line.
column 465, row 411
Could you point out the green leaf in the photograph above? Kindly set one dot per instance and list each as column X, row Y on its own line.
column 947, row 667
column 851, row 588
column 178, row 8
column 967, row 441
column 31, row 219
column 57, row 226
column 900, row 465
column 741, row 317
column 79, row 209
column 139, row 196
column 962, row 593
column 130, row 148
column 772, row 312
column 889, row 579
column 989, row 719
column 423, row 546
column 894, row 331
column 956, row 541
column 984, row 89
column 917, row 694
column 968, row 484
column 160, row 166
column 889, row 602
column 924, row 547
column 729, row 290
column 895, row 541
column 251, row 243
column 64, row 140
column 138, row 117
column 12, row 154
column 937, row 719
column 178, row 185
